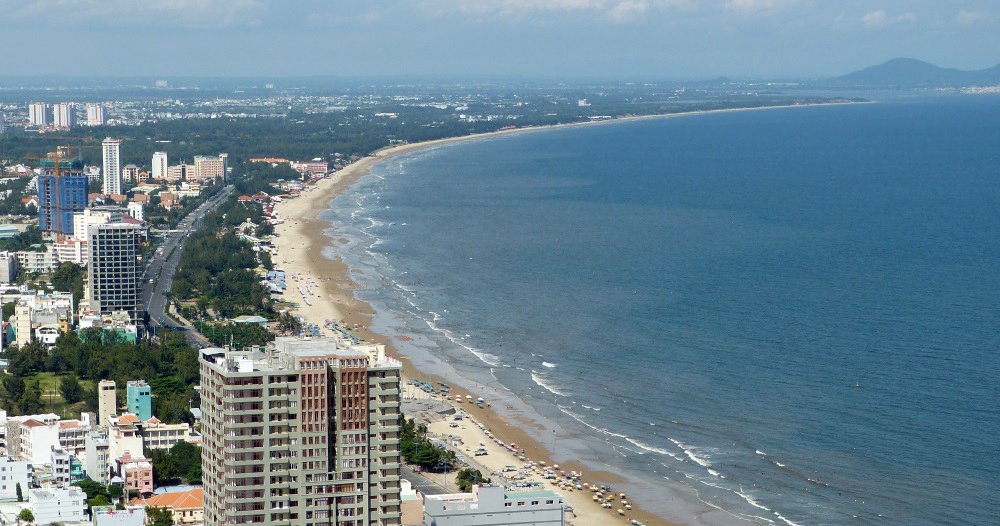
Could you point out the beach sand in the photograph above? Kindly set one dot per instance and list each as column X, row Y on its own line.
column 299, row 245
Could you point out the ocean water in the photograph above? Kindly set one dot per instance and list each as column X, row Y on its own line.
column 788, row 316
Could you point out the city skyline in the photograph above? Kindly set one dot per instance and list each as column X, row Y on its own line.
column 535, row 38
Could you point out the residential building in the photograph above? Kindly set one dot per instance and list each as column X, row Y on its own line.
column 107, row 402
column 209, row 167
column 139, row 399
column 38, row 309
column 179, row 172
column 130, row 173
column 157, row 435
column 51, row 505
column 97, row 455
column 169, row 200
column 109, row 516
column 71, row 250
column 93, row 173
column 159, row 165
column 38, row 114
column 37, row 440
column 14, row 473
column 314, row 168
column 137, row 472
column 8, row 267
column 135, row 209
column 124, row 437
column 304, row 432
column 186, row 507
column 62, row 115
column 97, row 215
column 60, row 466
column 73, row 434
column 118, row 323
column 95, row 115
column 491, row 505
column 59, row 197
column 34, row 262
column 114, row 268
column 111, row 167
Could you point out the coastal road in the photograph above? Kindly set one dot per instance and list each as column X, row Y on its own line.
column 162, row 265
column 424, row 484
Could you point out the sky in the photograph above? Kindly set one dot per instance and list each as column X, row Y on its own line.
column 630, row 39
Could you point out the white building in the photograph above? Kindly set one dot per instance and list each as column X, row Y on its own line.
column 37, row 262
column 38, row 439
column 112, row 166
column 159, row 165
column 60, row 466
column 124, row 436
column 135, row 210
column 209, row 167
column 109, row 516
column 8, row 267
column 490, row 505
column 95, row 216
column 38, row 114
column 12, row 474
column 157, row 435
column 62, row 115
column 95, row 115
column 63, row 505
column 96, row 464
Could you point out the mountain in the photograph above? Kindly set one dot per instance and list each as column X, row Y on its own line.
column 912, row 73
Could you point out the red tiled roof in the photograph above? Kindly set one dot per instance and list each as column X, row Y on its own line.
column 178, row 500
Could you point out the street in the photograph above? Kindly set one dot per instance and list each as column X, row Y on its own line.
column 163, row 264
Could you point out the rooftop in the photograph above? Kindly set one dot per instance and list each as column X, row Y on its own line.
column 183, row 500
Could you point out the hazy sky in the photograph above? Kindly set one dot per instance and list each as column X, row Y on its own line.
column 553, row 38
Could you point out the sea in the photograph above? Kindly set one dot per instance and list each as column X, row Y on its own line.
column 782, row 316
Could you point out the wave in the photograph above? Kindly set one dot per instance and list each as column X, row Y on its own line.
column 689, row 452
column 581, row 420
column 548, row 364
column 651, row 449
column 537, row 378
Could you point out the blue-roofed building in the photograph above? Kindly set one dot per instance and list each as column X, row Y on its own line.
column 59, row 197
column 139, row 399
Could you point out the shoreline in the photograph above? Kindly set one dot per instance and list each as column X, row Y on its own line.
column 300, row 241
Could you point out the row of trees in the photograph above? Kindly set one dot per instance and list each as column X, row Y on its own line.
column 417, row 449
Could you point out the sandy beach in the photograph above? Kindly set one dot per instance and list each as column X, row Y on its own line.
column 299, row 245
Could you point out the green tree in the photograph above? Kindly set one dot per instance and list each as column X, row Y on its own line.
column 70, row 388
column 31, row 402
column 469, row 477
column 99, row 500
column 159, row 517
column 20, row 492
column 26, row 516
column 8, row 310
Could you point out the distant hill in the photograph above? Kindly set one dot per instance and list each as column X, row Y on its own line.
column 912, row 73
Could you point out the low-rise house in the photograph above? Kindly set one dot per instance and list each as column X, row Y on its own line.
column 492, row 505
column 51, row 505
column 137, row 472
column 157, row 435
column 186, row 507
column 14, row 473
column 109, row 516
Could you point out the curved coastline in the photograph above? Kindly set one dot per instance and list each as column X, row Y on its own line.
column 300, row 244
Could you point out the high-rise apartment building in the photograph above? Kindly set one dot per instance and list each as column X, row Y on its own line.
column 62, row 115
column 38, row 114
column 304, row 432
column 209, row 167
column 107, row 401
column 112, row 167
column 114, row 269
column 95, row 115
column 159, row 166
column 59, row 197
column 139, row 399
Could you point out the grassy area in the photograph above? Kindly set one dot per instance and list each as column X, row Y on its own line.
column 52, row 399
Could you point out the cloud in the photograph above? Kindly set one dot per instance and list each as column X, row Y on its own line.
column 881, row 18
column 970, row 18
column 875, row 18
column 195, row 14
column 757, row 6
column 616, row 11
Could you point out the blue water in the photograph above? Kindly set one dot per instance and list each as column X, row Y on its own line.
column 788, row 316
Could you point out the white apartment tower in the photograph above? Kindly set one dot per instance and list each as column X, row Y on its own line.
column 62, row 115
column 305, row 432
column 38, row 114
column 107, row 401
column 112, row 168
column 95, row 115
column 159, row 166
